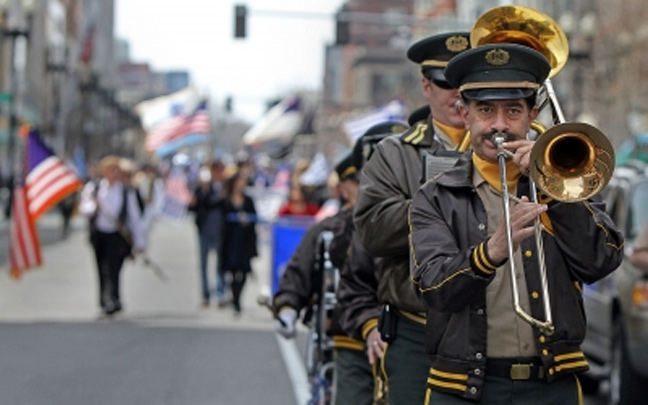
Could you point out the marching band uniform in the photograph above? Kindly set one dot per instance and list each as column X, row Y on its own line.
column 388, row 182
column 301, row 282
column 479, row 348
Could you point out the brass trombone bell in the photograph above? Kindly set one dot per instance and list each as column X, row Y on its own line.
column 523, row 26
column 572, row 161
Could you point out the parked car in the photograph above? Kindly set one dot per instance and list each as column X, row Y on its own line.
column 616, row 343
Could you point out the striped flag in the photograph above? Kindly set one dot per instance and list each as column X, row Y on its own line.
column 393, row 111
column 279, row 125
column 178, row 127
column 24, row 246
column 48, row 180
column 176, row 194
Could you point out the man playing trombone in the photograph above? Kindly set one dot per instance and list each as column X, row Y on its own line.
column 470, row 257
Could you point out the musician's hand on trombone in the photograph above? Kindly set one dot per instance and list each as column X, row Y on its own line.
column 375, row 346
column 522, row 216
column 521, row 153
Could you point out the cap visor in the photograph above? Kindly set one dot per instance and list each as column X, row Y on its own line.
column 436, row 74
column 497, row 94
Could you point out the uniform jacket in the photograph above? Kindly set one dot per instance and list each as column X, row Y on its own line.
column 357, row 288
column 388, row 182
column 450, row 272
column 301, row 281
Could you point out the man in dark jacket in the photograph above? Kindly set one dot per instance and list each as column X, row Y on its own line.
column 358, row 284
column 301, row 284
column 207, row 205
column 480, row 348
column 388, row 182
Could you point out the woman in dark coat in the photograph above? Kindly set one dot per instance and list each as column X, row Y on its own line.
column 239, row 235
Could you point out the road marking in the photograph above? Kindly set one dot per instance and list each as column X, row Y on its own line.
column 296, row 368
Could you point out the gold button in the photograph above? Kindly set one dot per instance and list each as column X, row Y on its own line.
column 545, row 352
column 542, row 339
column 551, row 371
column 535, row 295
column 528, row 253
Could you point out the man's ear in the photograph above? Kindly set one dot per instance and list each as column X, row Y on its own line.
column 534, row 113
column 426, row 87
column 462, row 107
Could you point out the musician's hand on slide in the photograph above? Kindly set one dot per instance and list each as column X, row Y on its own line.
column 375, row 346
column 522, row 216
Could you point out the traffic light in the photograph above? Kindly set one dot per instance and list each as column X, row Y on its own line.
column 228, row 104
column 240, row 16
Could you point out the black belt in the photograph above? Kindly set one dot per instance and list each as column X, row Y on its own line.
column 525, row 368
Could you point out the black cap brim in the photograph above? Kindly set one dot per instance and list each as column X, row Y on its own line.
column 435, row 74
column 497, row 94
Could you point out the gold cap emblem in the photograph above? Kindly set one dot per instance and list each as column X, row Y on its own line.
column 497, row 57
column 456, row 43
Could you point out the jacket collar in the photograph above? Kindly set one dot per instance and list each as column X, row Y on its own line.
column 420, row 134
column 461, row 175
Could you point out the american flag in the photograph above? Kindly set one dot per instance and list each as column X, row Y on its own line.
column 178, row 127
column 176, row 194
column 24, row 246
column 48, row 180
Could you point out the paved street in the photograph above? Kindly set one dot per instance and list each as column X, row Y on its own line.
column 164, row 349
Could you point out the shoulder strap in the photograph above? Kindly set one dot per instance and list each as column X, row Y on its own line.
column 124, row 209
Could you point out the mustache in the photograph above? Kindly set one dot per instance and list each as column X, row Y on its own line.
column 508, row 136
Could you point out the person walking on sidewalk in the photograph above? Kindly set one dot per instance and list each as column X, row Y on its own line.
column 115, row 230
column 207, row 205
column 239, row 235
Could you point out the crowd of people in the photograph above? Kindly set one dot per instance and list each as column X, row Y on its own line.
column 122, row 203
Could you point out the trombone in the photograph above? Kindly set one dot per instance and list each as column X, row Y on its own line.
column 570, row 161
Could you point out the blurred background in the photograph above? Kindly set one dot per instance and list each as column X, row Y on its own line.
column 277, row 82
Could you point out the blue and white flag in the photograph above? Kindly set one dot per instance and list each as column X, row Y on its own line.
column 280, row 124
column 393, row 111
column 317, row 172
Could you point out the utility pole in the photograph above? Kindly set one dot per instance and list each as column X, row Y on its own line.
column 15, row 51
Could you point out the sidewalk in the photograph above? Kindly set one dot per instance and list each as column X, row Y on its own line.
column 64, row 289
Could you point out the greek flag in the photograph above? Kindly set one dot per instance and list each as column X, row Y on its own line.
column 395, row 110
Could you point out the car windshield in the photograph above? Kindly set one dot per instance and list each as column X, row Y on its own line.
column 638, row 209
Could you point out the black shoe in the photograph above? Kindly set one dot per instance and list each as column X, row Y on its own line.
column 111, row 308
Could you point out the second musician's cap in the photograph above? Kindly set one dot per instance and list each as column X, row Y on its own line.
column 420, row 114
column 434, row 52
column 501, row 71
column 345, row 168
column 365, row 145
